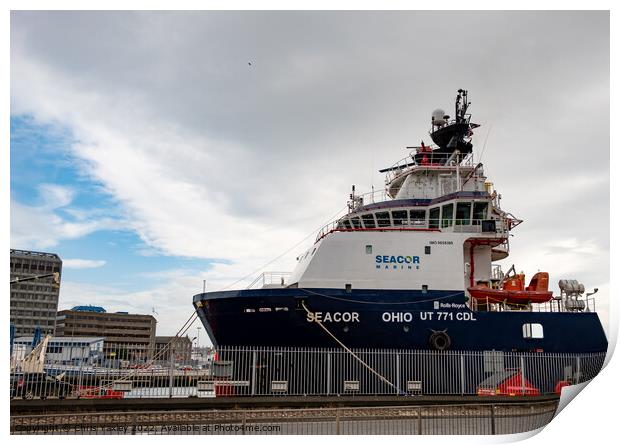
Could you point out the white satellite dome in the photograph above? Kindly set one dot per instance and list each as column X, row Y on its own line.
column 439, row 117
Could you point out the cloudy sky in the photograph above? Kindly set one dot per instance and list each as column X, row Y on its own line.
column 152, row 150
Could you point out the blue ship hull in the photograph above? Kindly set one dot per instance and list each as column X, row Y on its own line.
column 393, row 319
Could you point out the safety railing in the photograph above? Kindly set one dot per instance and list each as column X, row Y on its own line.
column 433, row 159
column 270, row 279
column 183, row 371
column 370, row 221
column 487, row 418
column 558, row 304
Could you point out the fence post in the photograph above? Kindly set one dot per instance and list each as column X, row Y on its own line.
column 578, row 370
column 522, row 375
column 420, row 420
column 398, row 385
column 254, row 372
column 329, row 373
column 337, row 421
column 462, row 375
column 171, row 371
column 493, row 419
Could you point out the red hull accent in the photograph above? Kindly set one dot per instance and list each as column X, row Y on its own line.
column 510, row 296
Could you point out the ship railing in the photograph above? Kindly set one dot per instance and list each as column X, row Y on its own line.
column 270, row 279
column 495, row 228
column 497, row 274
column 408, row 163
column 583, row 304
column 181, row 368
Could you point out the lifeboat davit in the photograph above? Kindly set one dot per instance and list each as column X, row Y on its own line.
column 512, row 290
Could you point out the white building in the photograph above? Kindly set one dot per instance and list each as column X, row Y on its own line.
column 66, row 350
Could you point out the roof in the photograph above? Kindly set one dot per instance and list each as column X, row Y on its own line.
column 88, row 308
column 101, row 314
column 62, row 340
column 30, row 253
column 166, row 339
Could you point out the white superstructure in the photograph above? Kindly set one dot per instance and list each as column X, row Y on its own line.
column 437, row 225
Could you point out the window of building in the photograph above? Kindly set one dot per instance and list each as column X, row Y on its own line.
column 533, row 330
column 433, row 218
column 369, row 221
column 447, row 214
column 368, row 249
column 480, row 212
column 400, row 218
column 463, row 213
column 383, row 219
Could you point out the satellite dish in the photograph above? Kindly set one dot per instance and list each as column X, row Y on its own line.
column 439, row 117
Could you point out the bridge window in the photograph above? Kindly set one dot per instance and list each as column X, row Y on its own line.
column 447, row 213
column 533, row 330
column 399, row 217
column 356, row 222
column 480, row 212
column 383, row 219
column 417, row 217
column 369, row 221
column 463, row 213
column 433, row 218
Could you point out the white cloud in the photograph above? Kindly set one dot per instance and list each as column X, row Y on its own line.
column 55, row 196
column 76, row 263
column 41, row 227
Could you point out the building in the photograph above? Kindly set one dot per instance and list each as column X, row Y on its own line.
column 126, row 336
column 64, row 350
column 180, row 347
column 34, row 303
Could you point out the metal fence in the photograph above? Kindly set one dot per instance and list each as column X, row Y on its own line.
column 452, row 419
column 178, row 371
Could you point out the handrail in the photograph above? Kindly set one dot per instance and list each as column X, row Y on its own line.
column 270, row 278
column 405, row 164
column 435, row 224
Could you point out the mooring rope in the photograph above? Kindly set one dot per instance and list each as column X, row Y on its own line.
column 314, row 318
column 182, row 331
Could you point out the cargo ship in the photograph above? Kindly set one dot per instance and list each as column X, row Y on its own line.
column 412, row 267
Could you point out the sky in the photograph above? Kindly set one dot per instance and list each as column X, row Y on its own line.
column 155, row 150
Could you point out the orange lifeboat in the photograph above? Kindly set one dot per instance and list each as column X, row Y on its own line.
column 513, row 291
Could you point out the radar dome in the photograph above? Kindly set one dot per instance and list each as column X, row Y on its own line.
column 439, row 117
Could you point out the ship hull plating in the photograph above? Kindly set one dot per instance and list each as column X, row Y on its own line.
column 394, row 319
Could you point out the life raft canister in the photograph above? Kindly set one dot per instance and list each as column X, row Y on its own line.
column 440, row 341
